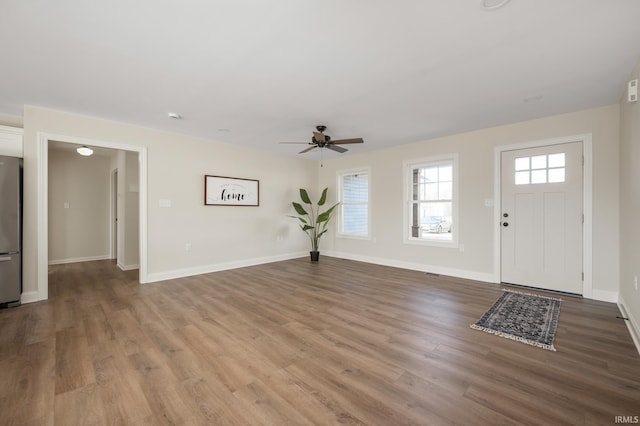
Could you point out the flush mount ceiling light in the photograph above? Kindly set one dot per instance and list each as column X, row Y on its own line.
column 493, row 4
column 174, row 115
column 84, row 150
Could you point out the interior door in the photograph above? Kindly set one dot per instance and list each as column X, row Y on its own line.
column 542, row 217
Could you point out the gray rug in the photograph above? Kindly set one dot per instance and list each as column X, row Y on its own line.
column 524, row 317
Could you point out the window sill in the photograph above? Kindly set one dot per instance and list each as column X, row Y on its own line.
column 431, row 243
column 354, row 237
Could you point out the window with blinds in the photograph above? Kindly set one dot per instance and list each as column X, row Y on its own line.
column 354, row 203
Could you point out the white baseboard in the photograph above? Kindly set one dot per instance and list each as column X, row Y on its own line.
column 128, row 267
column 604, row 296
column 432, row 269
column 180, row 273
column 633, row 324
column 29, row 297
column 79, row 259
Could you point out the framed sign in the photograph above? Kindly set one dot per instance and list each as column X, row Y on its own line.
column 228, row 191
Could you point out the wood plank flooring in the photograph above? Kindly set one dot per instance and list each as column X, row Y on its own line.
column 296, row 343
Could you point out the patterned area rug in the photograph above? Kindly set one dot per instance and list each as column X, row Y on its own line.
column 524, row 317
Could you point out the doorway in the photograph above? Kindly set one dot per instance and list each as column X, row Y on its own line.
column 42, row 231
column 541, row 236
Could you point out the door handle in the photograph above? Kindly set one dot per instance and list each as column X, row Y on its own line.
column 505, row 224
column 5, row 258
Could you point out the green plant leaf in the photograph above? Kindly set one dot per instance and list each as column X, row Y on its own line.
column 320, row 234
column 304, row 196
column 324, row 217
column 299, row 208
column 323, row 197
column 301, row 219
column 307, row 227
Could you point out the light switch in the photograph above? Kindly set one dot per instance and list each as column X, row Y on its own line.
column 66, row 204
column 164, row 203
column 488, row 202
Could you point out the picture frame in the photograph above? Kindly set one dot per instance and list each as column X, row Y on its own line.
column 231, row 191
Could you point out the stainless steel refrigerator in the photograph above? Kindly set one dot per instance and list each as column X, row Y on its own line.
column 10, row 231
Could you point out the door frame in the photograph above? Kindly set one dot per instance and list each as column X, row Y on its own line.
column 42, row 226
column 587, row 208
column 114, row 214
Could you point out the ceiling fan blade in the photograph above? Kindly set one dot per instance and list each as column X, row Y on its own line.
column 308, row 149
column 336, row 148
column 319, row 136
column 296, row 143
column 343, row 141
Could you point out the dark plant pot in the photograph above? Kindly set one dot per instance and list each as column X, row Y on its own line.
column 315, row 256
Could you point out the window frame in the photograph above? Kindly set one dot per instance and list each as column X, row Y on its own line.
column 340, row 174
column 408, row 167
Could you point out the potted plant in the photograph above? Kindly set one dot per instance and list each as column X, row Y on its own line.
column 313, row 222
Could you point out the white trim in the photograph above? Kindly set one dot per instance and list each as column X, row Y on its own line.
column 29, row 297
column 604, row 295
column 113, row 203
column 142, row 199
column 217, row 267
column 587, row 233
column 431, row 269
column 406, row 200
column 18, row 131
column 11, row 141
column 633, row 324
column 42, row 225
column 43, row 139
column 79, row 259
column 128, row 267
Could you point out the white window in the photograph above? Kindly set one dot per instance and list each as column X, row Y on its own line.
column 354, row 203
column 540, row 169
column 431, row 201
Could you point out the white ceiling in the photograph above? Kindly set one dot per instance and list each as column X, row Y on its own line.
column 257, row 72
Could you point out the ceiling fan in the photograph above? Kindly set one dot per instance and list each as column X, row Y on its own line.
column 320, row 140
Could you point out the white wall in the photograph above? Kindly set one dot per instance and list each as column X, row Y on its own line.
column 476, row 183
column 233, row 236
column 630, row 208
column 11, row 120
column 81, row 231
column 220, row 236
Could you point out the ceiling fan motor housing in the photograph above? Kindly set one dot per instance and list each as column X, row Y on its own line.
column 320, row 143
column 320, row 140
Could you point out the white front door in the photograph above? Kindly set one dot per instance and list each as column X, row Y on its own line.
column 542, row 217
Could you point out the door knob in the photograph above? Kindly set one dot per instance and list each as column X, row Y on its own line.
column 505, row 224
column 505, row 214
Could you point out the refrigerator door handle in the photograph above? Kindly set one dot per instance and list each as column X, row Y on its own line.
column 5, row 258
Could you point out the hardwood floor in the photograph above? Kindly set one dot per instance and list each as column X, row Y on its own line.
column 300, row 343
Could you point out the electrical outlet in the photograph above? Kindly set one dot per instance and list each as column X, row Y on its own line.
column 187, row 247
